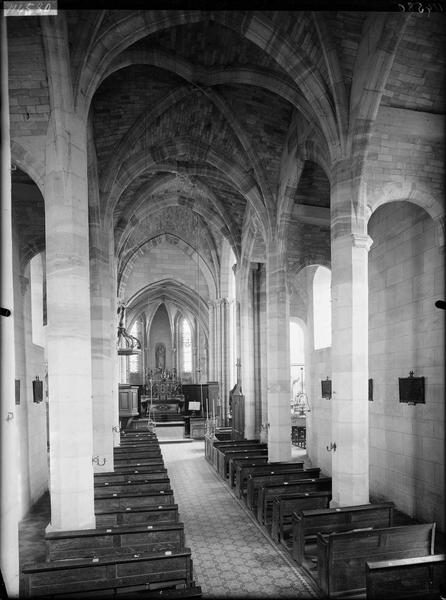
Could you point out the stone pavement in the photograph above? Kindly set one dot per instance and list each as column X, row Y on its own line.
column 233, row 557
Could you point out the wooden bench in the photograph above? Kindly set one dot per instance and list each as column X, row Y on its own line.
column 101, row 489
column 135, row 516
column 90, row 543
column 342, row 556
column 226, row 444
column 223, row 457
column 242, row 473
column 130, row 475
column 110, row 575
column 296, row 484
column 406, row 578
column 247, row 461
column 139, row 462
column 114, row 500
column 283, row 508
column 234, row 445
column 309, row 523
column 256, row 480
column 137, row 454
column 147, row 464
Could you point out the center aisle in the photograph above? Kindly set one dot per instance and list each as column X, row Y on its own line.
column 232, row 556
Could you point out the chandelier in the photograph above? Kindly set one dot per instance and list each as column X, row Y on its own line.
column 127, row 344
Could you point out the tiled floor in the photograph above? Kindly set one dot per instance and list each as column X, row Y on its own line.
column 232, row 555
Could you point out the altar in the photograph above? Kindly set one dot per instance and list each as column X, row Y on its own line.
column 162, row 398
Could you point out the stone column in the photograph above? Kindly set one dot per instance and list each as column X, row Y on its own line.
column 102, row 323
column 350, row 429
column 278, row 349
column 213, row 376
column 9, row 543
column 244, row 293
column 68, row 295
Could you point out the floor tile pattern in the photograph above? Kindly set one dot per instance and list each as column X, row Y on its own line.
column 232, row 556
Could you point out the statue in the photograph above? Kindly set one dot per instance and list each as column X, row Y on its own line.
column 160, row 356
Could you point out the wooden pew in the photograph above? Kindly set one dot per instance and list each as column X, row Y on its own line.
column 250, row 461
column 101, row 542
column 294, row 485
column 421, row 578
column 242, row 473
column 136, row 454
column 131, row 486
column 134, row 516
column 147, row 464
column 133, row 500
column 234, row 445
column 110, row 575
column 139, row 462
column 283, row 508
column 223, row 457
column 342, row 556
column 226, row 444
column 255, row 482
column 130, row 475
column 309, row 523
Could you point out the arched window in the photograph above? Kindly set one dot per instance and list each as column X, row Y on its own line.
column 37, row 304
column 135, row 359
column 322, row 308
column 186, row 345
column 297, row 357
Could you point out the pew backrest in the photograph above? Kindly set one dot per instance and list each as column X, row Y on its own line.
column 308, row 523
column 296, row 483
column 285, row 506
column 256, row 481
column 342, row 556
column 404, row 578
column 242, row 472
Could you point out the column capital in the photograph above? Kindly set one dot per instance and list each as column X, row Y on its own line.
column 356, row 240
column 361, row 241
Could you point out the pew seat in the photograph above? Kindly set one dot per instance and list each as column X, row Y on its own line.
column 341, row 557
column 420, row 578
column 130, row 475
column 161, row 513
column 133, row 500
column 106, row 487
column 109, row 575
column 247, row 461
column 148, row 464
column 113, row 541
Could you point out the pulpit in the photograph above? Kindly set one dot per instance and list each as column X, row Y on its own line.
column 128, row 400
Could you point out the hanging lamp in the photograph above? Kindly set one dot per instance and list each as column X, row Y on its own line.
column 127, row 344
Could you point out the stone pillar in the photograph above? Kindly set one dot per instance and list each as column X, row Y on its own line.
column 350, row 429
column 102, row 323
column 9, row 543
column 68, row 295
column 213, row 375
column 244, row 281
column 278, row 349
column 114, row 345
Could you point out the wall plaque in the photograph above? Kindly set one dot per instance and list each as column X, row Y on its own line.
column 411, row 389
column 326, row 388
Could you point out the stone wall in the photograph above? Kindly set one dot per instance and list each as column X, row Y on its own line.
column 406, row 332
